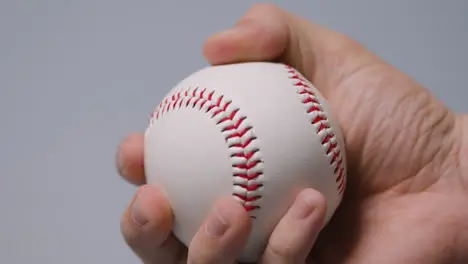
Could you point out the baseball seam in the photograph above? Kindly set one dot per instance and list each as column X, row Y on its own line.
column 247, row 162
column 319, row 120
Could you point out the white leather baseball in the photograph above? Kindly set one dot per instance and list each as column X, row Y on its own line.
column 257, row 131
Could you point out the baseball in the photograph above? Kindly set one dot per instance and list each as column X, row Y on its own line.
column 257, row 131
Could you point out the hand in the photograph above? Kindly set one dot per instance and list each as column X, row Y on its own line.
column 407, row 158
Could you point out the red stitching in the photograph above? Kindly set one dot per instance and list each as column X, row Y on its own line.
column 320, row 120
column 248, row 177
column 246, row 173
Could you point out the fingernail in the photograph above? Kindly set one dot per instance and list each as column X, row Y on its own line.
column 303, row 206
column 137, row 214
column 216, row 224
column 120, row 164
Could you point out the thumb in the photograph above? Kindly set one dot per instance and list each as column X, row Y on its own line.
column 391, row 124
column 269, row 33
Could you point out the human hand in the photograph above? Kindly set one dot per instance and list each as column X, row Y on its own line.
column 407, row 152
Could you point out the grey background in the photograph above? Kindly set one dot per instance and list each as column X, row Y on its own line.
column 77, row 76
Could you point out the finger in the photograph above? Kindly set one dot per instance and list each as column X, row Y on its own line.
column 222, row 236
column 364, row 93
column 268, row 33
column 146, row 226
column 295, row 235
column 129, row 159
column 252, row 39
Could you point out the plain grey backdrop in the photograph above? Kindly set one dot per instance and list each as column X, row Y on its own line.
column 77, row 76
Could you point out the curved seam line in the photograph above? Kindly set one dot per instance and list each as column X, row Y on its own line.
column 246, row 160
column 319, row 119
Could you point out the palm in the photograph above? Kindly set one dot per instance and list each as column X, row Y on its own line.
column 402, row 147
column 406, row 154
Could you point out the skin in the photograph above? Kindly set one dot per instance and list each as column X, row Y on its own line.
column 407, row 158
